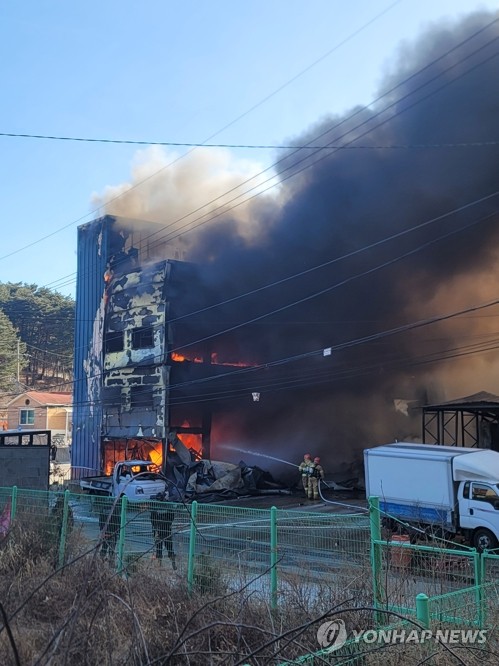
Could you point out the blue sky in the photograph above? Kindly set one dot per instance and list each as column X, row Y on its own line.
column 178, row 71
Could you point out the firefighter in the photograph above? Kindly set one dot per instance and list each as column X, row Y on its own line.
column 161, row 522
column 316, row 474
column 305, row 468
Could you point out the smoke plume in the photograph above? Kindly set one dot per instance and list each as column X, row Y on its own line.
column 398, row 212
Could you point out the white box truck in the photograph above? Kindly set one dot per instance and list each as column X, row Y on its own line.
column 454, row 490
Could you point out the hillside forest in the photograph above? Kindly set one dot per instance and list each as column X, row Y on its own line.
column 36, row 338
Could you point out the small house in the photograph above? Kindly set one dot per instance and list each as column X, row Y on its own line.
column 41, row 410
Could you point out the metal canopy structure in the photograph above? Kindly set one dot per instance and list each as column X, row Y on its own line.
column 469, row 421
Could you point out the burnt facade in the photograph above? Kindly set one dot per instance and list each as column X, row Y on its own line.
column 127, row 296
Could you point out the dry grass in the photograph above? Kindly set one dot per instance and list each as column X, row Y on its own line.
column 86, row 615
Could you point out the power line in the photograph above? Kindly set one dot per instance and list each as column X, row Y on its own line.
column 333, row 261
column 223, row 207
column 453, row 352
column 346, row 280
column 253, row 146
column 336, row 285
column 340, row 346
column 288, row 306
column 212, row 136
column 47, row 351
column 346, row 345
column 348, row 255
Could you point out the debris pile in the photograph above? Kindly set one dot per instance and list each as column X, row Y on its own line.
column 211, row 481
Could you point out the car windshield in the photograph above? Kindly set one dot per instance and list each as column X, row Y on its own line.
column 144, row 472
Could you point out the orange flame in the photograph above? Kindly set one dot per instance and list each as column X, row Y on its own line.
column 120, row 449
column 214, row 360
column 190, row 440
column 179, row 358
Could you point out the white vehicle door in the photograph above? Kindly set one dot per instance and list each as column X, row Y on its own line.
column 479, row 506
column 123, row 477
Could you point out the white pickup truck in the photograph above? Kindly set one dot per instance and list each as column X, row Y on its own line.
column 447, row 488
column 138, row 480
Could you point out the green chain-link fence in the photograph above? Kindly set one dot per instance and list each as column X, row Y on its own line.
column 285, row 556
column 458, row 583
column 282, row 555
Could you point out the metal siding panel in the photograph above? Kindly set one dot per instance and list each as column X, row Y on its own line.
column 87, row 414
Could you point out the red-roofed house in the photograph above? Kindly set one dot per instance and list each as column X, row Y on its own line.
column 42, row 411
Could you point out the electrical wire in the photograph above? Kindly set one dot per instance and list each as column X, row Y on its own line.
column 223, row 209
column 341, row 283
column 225, row 127
column 271, row 146
column 316, row 353
column 313, row 381
column 314, row 295
column 347, row 255
column 301, row 356
column 286, row 306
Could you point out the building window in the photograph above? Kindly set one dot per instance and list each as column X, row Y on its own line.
column 113, row 342
column 26, row 417
column 141, row 396
column 142, row 337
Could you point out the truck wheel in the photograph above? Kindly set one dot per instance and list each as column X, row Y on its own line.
column 484, row 540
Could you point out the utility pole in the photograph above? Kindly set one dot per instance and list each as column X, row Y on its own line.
column 18, row 359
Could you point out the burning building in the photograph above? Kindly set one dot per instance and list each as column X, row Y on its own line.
column 131, row 300
column 383, row 229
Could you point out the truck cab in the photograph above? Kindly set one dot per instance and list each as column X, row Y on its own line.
column 138, row 480
column 479, row 512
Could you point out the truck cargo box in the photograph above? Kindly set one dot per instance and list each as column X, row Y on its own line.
column 413, row 481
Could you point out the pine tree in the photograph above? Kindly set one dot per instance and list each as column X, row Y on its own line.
column 45, row 322
column 10, row 353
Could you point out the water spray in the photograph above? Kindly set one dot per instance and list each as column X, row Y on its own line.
column 255, row 453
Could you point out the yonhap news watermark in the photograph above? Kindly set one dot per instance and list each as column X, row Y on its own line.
column 333, row 634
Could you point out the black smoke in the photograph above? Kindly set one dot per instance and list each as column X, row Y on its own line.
column 428, row 146
column 385, row 216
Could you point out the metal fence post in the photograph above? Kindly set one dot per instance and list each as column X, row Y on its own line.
column 423, row 609
column 192, row 546
column 13, row 503
column 121, row 542
column 479, row 591
column 375, row 524
column 273, row 558
column 64, row 529
column 485, row 587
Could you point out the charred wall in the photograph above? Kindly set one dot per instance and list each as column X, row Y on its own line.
column 130, row 315
column 135, row 374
